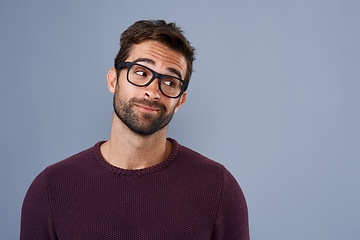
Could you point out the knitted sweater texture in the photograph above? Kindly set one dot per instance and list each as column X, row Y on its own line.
column 187, row 196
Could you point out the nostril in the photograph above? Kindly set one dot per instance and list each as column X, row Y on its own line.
column 152, row 91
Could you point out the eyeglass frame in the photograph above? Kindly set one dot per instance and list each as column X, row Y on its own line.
column 155, row 75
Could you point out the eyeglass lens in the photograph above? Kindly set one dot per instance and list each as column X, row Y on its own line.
column 140, row 75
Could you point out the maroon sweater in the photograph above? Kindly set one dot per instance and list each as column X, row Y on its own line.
column 187, row 196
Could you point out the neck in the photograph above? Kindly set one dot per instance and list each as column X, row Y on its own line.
column 128, row 150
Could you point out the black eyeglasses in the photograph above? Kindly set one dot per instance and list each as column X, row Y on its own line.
column 142, row 76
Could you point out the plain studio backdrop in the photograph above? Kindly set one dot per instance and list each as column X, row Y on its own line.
column 274, row 97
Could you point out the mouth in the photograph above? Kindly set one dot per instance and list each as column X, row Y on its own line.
column 147, row 109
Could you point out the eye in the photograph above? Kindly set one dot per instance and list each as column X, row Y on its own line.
column 170, row 82
column 141, row 73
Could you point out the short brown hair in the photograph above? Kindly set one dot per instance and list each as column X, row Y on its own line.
column 158, row 30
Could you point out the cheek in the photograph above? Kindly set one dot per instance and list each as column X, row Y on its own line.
column 174, row 106
column 123, row 90
column 130, row 90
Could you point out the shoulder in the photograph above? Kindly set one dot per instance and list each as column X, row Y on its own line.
column 75, row 161
column 199, row 164
column 66, row 169
column 196, row 159
column 212, row 173
column 231, row 214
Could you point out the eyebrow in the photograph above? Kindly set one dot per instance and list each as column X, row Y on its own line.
column 146, row 60
column 152, row 62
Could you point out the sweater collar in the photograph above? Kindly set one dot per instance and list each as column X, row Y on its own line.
column 138, row 172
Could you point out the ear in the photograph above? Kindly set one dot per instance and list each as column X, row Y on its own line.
column 181, row 101
column 111, row 80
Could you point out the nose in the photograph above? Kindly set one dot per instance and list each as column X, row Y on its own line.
column 152, row 90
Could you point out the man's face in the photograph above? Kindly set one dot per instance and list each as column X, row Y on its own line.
column 145, row 110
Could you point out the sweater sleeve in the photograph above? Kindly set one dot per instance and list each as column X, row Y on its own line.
column 36, row 220
column 232, row 216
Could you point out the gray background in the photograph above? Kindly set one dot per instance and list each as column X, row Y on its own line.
column 274, row 98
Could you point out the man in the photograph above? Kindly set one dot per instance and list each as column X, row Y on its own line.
column 139, row 184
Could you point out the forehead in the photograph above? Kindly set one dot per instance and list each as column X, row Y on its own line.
column 162, row 56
